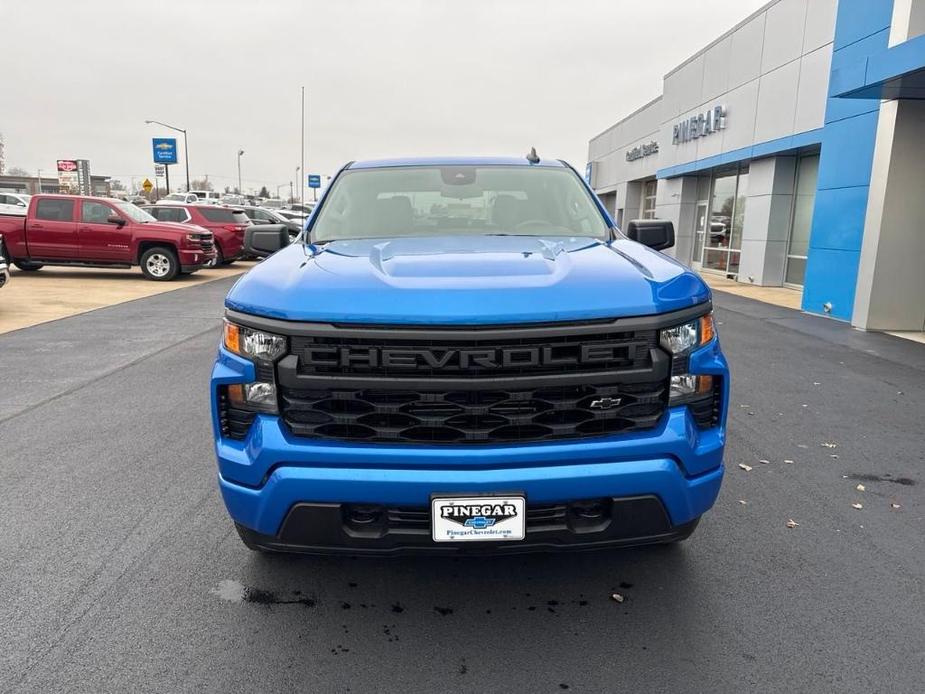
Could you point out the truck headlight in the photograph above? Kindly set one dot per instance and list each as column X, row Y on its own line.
column 253, row 344
column 263, row 349
column 685, row 338
column 680, row 341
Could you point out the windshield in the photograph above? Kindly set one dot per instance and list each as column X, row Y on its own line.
column 471, row 200
column 136, row 214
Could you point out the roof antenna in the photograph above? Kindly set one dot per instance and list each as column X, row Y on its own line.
column 533, row 157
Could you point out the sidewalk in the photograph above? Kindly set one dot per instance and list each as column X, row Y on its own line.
column 777, row 296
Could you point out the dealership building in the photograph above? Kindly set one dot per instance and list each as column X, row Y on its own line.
column 791, row 152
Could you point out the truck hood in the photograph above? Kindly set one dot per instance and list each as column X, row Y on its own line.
column 473, row 280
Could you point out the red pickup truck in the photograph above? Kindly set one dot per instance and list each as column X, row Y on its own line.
column 101, row 232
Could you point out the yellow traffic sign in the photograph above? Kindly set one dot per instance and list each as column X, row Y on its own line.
column 147, row 185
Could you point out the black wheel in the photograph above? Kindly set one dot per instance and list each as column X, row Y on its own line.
column 159, row 264
column 244, row 534
column 229, row 262
column 26, row 266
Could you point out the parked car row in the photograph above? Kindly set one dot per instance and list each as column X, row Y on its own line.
column 226, row 224
column 103, row 232
column 164, row 240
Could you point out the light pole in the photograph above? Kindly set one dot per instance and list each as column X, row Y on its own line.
column 277, row 189
column 298, row 170
column 240, row 152
column 185, row 147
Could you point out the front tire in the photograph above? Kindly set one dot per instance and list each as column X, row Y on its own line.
column 219, row 258
column 159, row 264
column 26, row 266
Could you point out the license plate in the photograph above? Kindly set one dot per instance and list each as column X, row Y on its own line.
column 478, row 518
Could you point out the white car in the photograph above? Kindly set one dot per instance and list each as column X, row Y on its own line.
column 207, row 197
column 273, row 204
column 174, row 198
column 232, row 200
column 14, row 203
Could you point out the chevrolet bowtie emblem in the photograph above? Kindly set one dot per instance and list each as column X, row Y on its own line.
column 605, row 403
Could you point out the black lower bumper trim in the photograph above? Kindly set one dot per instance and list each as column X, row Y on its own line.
column 319, row 528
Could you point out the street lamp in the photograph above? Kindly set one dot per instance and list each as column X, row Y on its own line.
column 240, row 189
column 297, row 170
column 185, row 146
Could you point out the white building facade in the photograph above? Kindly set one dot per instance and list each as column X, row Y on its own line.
column 776, row 150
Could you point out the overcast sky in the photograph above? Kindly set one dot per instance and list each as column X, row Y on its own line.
column 387, row 78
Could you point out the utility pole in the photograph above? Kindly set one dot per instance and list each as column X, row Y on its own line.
column 302, row 163
column 291, row 195
column 240, row 189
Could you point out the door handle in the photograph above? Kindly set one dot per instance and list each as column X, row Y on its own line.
column 84, row 229
column 38, row 226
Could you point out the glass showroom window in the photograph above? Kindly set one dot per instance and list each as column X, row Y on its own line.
column 804, row 199
column 723, row 239
column 649, row 189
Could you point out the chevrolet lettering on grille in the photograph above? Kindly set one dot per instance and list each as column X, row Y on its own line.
column 468, row 359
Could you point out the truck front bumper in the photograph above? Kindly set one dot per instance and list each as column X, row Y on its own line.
column 295, row 494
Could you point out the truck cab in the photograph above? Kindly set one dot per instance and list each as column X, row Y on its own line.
column 103, row 232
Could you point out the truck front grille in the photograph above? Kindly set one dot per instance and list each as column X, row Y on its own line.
column 473, row 385
column 403, row 415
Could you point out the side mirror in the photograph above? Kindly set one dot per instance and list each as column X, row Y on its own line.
column 657, row 234
column 262, row 240
column 115, row 219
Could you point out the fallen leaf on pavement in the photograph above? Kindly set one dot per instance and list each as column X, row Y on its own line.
column 802, row 445
column 833, row 456
column 764, row 462
column 788, row 461
column 792, row 523
column 743, row 502
column 816, row 383
column 826, row 444
column 894, row 506
column 861, row 488
column 747, row 468
column 857, row 506
column 616, row 597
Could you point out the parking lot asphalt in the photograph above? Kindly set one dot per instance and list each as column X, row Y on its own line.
column 58, row 292
column 119, row 570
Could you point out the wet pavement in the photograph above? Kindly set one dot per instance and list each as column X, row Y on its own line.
column 120, row 571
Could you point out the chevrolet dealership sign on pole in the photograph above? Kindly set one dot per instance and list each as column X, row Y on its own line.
column 165, row 153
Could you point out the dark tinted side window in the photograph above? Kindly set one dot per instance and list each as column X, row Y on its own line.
column 221, row 215
column 53, row 210
column 168, row 214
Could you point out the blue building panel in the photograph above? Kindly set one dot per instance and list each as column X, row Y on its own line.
column 848, row 140
column 849, row 65
column 841, row 213
column 834, row 274
column 848, row 151
column 858, row 19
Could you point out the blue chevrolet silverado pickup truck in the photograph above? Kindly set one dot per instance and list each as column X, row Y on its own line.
column 466, row 355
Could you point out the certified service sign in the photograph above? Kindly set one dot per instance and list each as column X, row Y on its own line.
column 467, row 519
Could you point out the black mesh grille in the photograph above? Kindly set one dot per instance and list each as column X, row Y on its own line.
column 473, row 416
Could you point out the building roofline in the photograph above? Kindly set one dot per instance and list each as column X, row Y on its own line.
column 763, row 8
column 626, row 118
